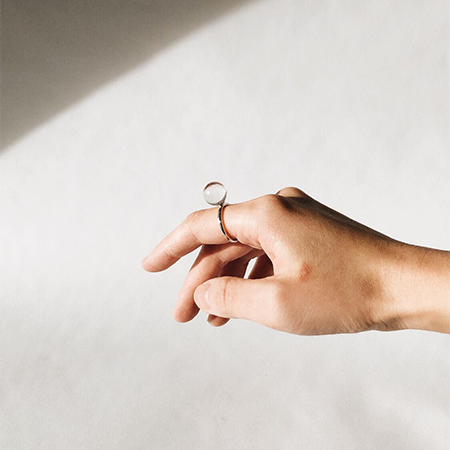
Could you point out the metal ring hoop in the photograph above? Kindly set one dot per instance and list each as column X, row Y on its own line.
column 222, row 224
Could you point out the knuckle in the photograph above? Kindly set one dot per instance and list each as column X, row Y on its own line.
column 191, row 218
column 214, row 257
column 190, row 223
column 302, row 271
column 168, row 252
column 222, row 293
column 270, row 199
column 269, row 204
column 272, row 207
column 291, row 191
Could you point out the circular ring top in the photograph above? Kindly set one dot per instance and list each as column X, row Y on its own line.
column 215, row 193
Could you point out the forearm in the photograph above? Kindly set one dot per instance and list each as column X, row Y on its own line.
column 417, row 285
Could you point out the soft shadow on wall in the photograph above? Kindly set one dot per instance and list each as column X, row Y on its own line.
column 54, row 52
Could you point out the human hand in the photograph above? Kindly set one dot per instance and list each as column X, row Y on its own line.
column 316, row 270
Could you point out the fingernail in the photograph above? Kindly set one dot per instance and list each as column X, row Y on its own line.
column 201, row 296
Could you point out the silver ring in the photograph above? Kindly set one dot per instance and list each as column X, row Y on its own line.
column 222, row 225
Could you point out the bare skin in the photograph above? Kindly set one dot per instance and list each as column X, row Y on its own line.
column 316, row 270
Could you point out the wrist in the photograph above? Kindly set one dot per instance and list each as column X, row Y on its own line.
column 417, row 287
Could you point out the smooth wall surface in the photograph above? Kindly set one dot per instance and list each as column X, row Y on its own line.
column 110, row 130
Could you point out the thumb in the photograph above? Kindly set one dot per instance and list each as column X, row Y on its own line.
column 254, row 299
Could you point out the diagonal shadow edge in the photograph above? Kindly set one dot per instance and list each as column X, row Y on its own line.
column 55, row 53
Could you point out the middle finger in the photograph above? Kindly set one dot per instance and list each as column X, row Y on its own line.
column 208, row 264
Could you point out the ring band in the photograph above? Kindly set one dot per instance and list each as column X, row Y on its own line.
column 222, row 225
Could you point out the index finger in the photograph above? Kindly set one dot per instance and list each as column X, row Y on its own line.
column 202, row 227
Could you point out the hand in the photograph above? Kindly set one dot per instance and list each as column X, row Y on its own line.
column 316, row 270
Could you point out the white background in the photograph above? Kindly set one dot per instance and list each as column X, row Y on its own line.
column 113, row 128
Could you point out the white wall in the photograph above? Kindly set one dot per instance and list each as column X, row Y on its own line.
column 348, row 100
